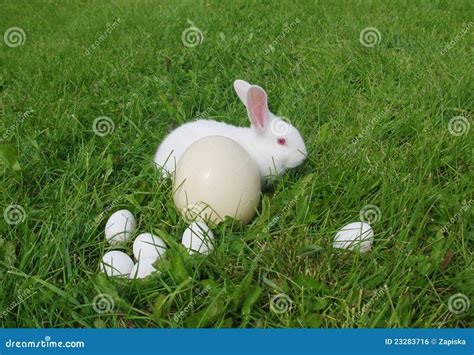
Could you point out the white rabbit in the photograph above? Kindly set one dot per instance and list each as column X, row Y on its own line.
column 273, row 143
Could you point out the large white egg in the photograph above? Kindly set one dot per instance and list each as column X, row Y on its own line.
column 198, row 238
column 355, row 236
column 119, row 227
column 143, row 268
column 116, row 263
column 147, row 245
column 216, row 177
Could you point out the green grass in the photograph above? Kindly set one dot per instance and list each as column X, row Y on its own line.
column 376, row 125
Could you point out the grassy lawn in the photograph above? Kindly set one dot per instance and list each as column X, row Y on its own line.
column 377, row 116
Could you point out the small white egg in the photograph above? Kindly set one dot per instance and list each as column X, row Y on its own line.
column 116, row 263
column 355, row 236
column 147, row 245
column 119, row 227
column 198, row 238
column 143, row 268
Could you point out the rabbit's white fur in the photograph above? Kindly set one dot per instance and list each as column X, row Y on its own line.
column 263, row 140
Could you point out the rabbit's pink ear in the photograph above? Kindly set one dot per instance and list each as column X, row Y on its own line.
column 257, row 107
column 241, row 87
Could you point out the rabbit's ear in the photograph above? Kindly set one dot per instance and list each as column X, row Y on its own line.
column 241, row 88
column 257, row 107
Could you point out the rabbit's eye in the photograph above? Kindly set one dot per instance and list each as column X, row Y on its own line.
column 281, row 141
